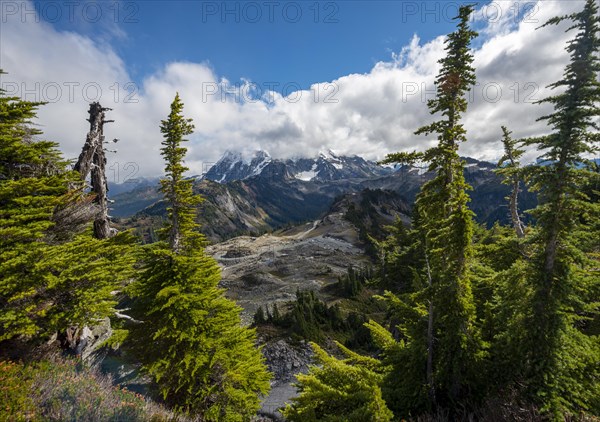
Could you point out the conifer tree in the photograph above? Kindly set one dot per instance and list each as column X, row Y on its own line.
column 178, row 190
column 445, row 226
column 339, row 390
column 26, row 205
column 52, row 275
column 563, row 363
column 402, row 254
column 276, row 315
column 190, row 339
column 259, row 316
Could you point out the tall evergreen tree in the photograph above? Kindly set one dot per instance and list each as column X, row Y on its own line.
column 445, row 225
column 190, row 339
column 558, row 376
column 178, row 190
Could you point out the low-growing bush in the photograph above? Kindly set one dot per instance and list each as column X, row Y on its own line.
column 66, row 390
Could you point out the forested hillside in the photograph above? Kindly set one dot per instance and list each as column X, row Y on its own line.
column 413, row 308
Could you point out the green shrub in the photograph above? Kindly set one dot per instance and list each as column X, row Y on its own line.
column 68, row 391
column 15, row 386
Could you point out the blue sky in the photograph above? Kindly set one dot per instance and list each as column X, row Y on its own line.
column 300, row 42
column 354, row 78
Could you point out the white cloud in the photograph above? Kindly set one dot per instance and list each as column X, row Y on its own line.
column 366, row 114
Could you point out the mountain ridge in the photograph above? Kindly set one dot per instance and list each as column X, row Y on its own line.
column 325, row 166
column 276, row 197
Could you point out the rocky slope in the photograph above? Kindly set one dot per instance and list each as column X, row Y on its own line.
column 284, row 362
column 260, row 271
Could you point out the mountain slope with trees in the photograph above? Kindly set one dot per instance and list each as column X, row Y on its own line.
column 467, row 310
column 262, row 203
column 484, row 322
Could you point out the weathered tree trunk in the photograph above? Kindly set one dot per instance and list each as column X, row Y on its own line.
column 84, row 163
column 93, row 160
column 514, row 195
column 514, row 209
column 102, row 229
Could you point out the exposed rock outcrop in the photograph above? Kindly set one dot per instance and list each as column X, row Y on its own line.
column 285, row 361
column 90, row 340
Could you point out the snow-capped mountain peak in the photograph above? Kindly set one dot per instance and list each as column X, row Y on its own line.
column 328, row 155
column 238, row 166
column 325, row 166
